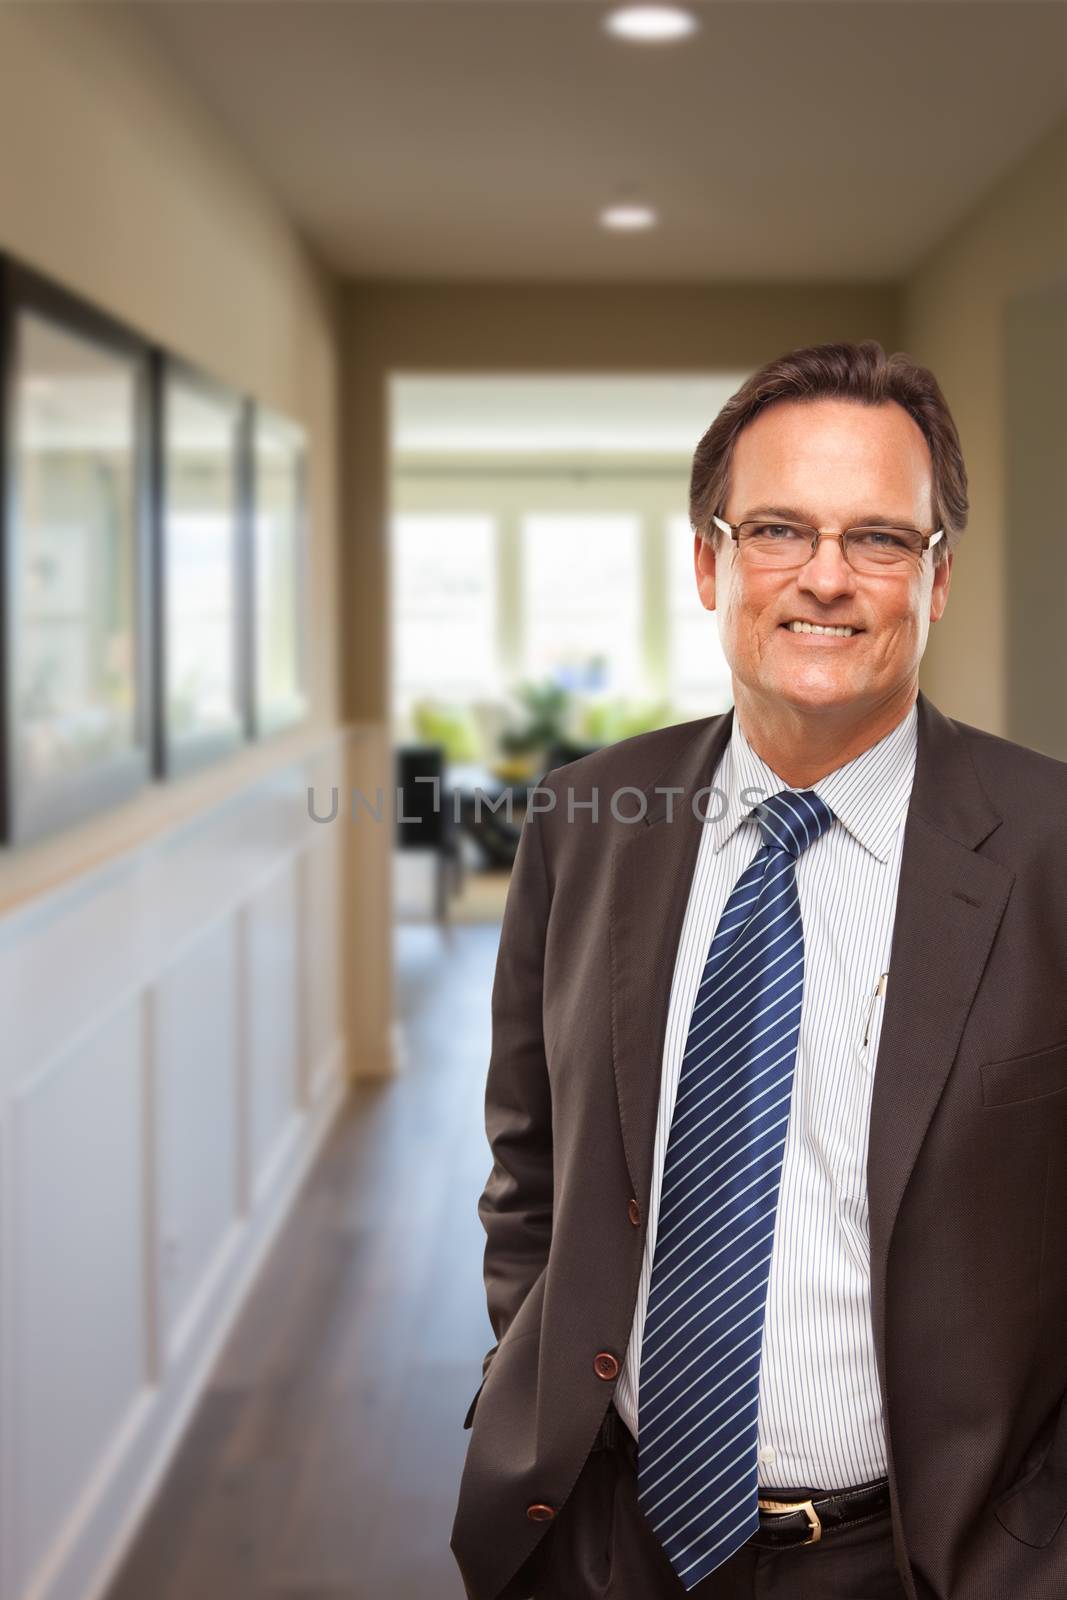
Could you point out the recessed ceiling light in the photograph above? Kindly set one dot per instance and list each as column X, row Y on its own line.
column 628, row 218
column 651, row 24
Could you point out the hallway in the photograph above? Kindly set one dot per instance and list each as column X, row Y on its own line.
column 356, row 360
column 323, row 1461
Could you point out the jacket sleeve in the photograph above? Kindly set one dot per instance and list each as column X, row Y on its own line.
column 515, row 1207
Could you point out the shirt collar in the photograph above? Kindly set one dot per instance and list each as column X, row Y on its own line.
column 868, row 795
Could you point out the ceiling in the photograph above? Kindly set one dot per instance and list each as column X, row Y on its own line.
column 477, row 139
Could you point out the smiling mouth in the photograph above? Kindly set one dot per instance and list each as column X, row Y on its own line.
column 821, row 630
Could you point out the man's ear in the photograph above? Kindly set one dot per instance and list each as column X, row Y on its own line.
column 704, row 566
column 939, row 591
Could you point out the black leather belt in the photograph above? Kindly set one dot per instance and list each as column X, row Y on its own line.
column 786, row 1518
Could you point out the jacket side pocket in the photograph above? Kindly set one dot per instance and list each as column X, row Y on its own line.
column 1033, row 1510
column 469, row 1418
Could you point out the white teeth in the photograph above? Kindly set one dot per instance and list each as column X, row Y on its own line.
column 816, row 627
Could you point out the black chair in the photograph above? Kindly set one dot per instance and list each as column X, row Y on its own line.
column 497, row 839
column 424, row 818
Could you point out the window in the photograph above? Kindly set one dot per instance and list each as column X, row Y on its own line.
column 278, row 569
column 203, row 693
column 75, row 536
column 153, row 543
column 444, row 606
column 582, row 600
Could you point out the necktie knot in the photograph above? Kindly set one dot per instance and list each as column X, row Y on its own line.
column 793, row 819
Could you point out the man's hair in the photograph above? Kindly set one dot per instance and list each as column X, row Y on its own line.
column 860, row 372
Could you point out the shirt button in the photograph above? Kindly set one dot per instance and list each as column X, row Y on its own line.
column 633, row 1211
column 768, row 1453
column 605, row 1366
column 540, row 1513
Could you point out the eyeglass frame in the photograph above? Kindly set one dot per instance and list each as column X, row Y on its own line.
column 734, row 528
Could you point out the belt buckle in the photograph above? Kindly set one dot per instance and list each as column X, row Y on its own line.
column 784, row 1507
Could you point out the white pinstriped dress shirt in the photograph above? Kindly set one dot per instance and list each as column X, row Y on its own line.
column 820, row 1413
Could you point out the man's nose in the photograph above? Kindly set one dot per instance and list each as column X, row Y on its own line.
column 827, row 573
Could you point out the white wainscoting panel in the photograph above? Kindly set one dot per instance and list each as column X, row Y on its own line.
column 323, row 879
column 272, row 1019
column 81, row 1319
column 173, row 1056
column 196, row 1041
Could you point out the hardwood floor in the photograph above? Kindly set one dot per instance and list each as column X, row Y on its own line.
column 323, row 1461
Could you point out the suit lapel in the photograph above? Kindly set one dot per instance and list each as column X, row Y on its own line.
column 950, row 902
column 652, row 866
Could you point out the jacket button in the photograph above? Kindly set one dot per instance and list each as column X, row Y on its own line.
column 633, row 1211
column 605, row 1366
column 539, row 1513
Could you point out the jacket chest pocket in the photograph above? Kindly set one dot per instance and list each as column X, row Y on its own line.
column 1021, row 1078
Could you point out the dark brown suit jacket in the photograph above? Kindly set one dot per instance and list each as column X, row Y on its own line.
column 967, row 1166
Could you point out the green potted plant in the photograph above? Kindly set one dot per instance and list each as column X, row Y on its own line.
column 525, row 744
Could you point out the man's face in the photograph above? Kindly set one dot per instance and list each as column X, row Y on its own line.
column 833, row 464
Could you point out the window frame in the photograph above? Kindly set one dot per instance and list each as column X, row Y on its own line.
column 180, row 753
column 26, row 817
column 263, row 720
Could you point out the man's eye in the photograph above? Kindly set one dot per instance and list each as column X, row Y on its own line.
column 879, row 538
column 777, row 530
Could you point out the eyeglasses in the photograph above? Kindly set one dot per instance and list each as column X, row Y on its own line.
column 869, row 550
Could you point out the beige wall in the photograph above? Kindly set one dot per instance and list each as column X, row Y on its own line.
column 953, row 318
column 116, row 181
column 1035, row 401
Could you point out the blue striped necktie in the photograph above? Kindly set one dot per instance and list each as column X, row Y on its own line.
column 698, row 1392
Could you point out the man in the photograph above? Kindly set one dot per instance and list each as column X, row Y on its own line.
column 778, row 1089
